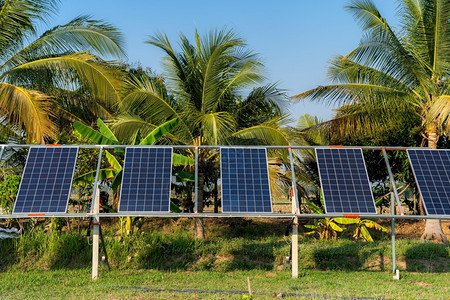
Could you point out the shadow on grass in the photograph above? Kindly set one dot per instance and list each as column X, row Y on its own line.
column 350, row 257
column 45, row 250
column 166, row 252
column 263, row 256
column 8, row 253
column 185, row 253
column 69, row 251
column 246, row 227
column 428, row 257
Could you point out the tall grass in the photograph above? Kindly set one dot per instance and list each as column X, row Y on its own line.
column 231, row 245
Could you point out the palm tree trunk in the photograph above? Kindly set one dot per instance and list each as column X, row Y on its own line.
column 199, row 229
column 433, row 228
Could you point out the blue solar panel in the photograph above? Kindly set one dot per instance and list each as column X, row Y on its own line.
column 245, row 180
column 432, row 172
column 147, row 174
column 344, row 181
column 46, row 180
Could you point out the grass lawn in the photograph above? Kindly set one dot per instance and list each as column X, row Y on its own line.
column 265, row 284
column 161, row 259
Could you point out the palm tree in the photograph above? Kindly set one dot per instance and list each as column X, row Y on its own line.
column 394, row 73
column 33, row 67
column 308, row 131
column 204, row 84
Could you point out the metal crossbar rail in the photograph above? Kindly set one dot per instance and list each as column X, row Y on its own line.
column 213, row 147
column 219, row 215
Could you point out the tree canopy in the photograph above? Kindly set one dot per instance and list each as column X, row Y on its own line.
column 64, row 58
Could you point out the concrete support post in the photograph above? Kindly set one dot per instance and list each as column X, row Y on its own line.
column 96, row 219
column 394, row 263
column 295, row 209
column 295, row 249
column 95, row 238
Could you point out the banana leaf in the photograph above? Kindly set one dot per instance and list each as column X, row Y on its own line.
column 89, row 178
column 174, row 208
column 374, row 225
column 159, row 131
column 314, row 207
column 347, row 220
column 181, row 160
column 336, row 227
column 105, row 130
column 184, row 176
column 365, row 233
column 113, row 161
column 93, row 135
column 117, row 180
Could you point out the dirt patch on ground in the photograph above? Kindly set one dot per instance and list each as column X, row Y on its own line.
column 424, row 284
column 411, row 229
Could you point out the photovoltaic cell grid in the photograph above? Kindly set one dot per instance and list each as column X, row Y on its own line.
column 432, row 172
column 245, row 180
column 146, row 180
column 46, row 180
column 344, row 181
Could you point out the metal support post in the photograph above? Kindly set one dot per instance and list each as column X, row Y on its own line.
column 394, row 264
column 96, row 219
column 196, row 181
column 392, row 180
column 394, row 195
column 1, row 151
column 295, row 209
column 104, row 258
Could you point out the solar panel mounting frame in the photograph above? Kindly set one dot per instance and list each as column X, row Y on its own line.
column 71, row 181
column 367, row 177
column 425, row 201
column 171, row 164
column 268, row 180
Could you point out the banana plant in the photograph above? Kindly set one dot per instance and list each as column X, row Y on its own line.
column 362, row 225
column 327, row 227
column 104, row 136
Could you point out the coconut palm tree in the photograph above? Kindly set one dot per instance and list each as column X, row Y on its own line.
column 394, row 73
column 204, row 87
column 32, row 66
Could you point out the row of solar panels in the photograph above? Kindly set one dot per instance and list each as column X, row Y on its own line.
column 146, row 182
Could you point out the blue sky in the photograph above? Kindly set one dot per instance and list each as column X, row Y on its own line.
column 295, row 38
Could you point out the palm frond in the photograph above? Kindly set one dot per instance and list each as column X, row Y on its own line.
column 348, row 92
column 102, row 82
column 216, row 127
column 152, row 105
column 440, row 113
column 17, row 21
column 80, row 34
column 267, row 133
column 26, row 110
column 127, row 126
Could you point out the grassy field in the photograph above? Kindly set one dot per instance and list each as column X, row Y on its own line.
column 142, row 284
column 161, row 259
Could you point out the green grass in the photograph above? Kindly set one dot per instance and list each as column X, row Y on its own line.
column 163, row 255
column 77, row 284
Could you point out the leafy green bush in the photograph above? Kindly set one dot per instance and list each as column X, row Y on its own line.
column 9, row 185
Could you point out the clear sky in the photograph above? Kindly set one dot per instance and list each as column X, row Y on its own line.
column 295, row 38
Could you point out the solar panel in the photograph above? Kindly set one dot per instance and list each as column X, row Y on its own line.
column 344, row 181
column 146, row 180
column 431, row 169
column 46, row 180
column 245, row 180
